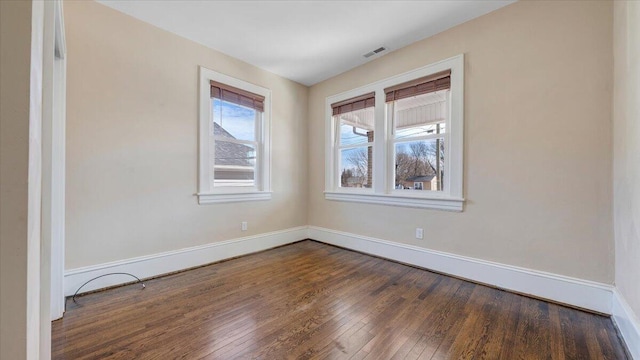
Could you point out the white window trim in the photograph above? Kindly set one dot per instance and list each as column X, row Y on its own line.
column 262, row 191
column 383, row 191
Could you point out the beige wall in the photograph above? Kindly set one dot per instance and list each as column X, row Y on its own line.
column 537, row 142
column 626, row 150
column 537, row 153
column 15, row 53
column 132, row 120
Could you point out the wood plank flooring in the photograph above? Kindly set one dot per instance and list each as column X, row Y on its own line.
column 314, row 301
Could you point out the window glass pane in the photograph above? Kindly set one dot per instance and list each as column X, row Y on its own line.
column 234, row 164
column 233, row 121
column 421, row 115
column 420, row 165
column 355, row 167
column 351, row 135
column 356, row 127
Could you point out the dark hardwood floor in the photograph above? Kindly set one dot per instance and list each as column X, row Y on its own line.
column 314, row 301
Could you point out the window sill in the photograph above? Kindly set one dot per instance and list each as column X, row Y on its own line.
column 216, row 198
column 432, row 202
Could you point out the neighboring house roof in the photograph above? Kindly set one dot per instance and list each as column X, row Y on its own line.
column 420, row 178
column 228, row 153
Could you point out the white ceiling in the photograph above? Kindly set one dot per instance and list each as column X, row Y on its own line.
column 305, row 41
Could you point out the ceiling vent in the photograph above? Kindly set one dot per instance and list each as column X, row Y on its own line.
column 376, row 51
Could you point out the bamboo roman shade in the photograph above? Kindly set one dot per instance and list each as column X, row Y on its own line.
column 237, row 96
column 423, row 85
column 353, row 104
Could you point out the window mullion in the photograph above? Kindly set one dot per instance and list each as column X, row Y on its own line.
column 337, row 152
column 257, row 166
column 355, row 146
column 390, row 147
column 419, row 138
column 235, row 141
column 380, row 170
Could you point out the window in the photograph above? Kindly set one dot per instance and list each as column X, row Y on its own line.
column 418, row 112
column 234, row 140
column 415, row 159
column 354, row 140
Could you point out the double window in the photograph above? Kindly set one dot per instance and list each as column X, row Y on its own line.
column 415, row 157
column 234, row 139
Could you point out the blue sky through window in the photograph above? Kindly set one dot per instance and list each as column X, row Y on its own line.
column 347, row 137
column 237, row 120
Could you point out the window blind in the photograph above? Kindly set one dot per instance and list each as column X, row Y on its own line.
column 353, row 104
column 423, row 85
column 237, row 96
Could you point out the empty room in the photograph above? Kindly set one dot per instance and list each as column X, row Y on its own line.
column 190, row 179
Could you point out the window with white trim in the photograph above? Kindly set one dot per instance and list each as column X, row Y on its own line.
column 234, row 139
column 354, row 121
column 415, row 159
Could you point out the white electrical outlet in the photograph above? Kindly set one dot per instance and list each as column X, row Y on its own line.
column 244, row 226
column 419, row 233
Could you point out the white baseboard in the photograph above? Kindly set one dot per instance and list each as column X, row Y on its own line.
column 627, row 323
column 167, row 262
column 576, row 292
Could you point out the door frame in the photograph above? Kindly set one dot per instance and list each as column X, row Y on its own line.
column 53, row 156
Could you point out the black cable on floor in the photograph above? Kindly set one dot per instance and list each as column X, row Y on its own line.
column 98, row 277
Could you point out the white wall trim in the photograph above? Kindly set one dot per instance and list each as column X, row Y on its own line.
column 170, row 261
column 216, row 198
column 628, row 324
column 563, row 289
column 581, row 293
column 207, row 194
column 383, row 191
column 36, row 323
column 53, row 193
column 435, row 202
